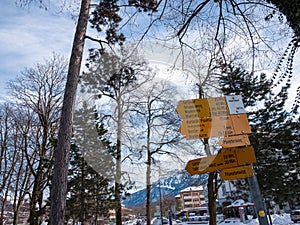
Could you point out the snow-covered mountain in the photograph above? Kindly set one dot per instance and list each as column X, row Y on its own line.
column 170, row 184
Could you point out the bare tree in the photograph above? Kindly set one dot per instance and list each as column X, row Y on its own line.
column 114, row 78
column 9, row 159
column 16, row 188
column 202, row 71
column 190, row 12
column 23, row 179
column 155, row 128
column 39, row 90
column 58, row 194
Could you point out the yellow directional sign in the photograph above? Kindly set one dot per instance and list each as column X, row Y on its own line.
column 199, row 108
column 215, row 126
column 234, row 141
column 226, row 159
column 237, row 173
column 240, row 124
column 245, row 155
column 218, row 106
column 207, row 127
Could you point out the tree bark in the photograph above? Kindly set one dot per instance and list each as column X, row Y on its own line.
column 59, row 180
column 148, row 176
column 148, row 194
column 212, row 198
column 118, row 184
column 211, row 183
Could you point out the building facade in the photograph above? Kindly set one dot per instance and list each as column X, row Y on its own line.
column 191, row 197
column 126, row 214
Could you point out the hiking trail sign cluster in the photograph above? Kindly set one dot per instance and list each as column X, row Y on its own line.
column 219, row 117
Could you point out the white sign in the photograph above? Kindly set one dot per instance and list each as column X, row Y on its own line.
column 235, row 104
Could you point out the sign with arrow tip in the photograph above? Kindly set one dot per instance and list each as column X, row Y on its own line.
column 215, row 126
column 227, row 159
column 203, row 107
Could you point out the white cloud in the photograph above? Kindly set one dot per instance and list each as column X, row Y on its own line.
column 29, row 36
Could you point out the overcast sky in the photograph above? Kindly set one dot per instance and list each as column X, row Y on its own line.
column 30, row 35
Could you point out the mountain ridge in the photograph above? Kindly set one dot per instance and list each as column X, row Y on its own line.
column 170, row 185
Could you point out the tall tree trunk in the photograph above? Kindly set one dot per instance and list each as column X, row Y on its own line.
column 59, row 180
column 212, row 198
column 148, row 175
column 118, row 184
column 148, row 188
column 36, row 200
column 211, row 183
column 34, row 215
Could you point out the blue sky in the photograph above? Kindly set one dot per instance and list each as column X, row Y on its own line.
column 30, row 35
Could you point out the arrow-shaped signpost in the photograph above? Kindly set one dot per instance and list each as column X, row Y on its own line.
column 222, row 116
column 208, row 127
column 227, row 159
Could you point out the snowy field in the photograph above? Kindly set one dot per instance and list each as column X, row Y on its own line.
column 276, row 220
column 283, row 219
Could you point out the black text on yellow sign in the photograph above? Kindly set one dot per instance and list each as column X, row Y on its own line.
column 227, row 159
column 200, row 108
column 237, row 172
column 215, row 126
column 235, row 141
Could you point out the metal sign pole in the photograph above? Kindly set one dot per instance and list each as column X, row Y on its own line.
column 258, row 201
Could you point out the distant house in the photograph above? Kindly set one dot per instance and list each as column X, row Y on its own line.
column 126, row 214
column 191, row 197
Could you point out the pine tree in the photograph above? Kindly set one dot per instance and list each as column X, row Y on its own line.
column 91, row 167
column 274, row 130
column 89, row 195
column 114, row 77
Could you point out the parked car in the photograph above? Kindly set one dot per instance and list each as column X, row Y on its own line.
column 295, row 215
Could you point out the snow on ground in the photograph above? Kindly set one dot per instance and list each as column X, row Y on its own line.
column 283, row 219
column 277, row 219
